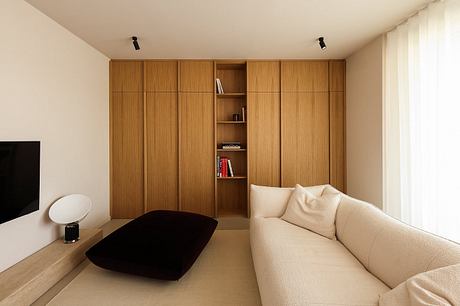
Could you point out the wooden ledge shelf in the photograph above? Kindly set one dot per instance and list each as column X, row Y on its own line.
column 230, row 122
column 238, row 177
column 231, row 150
column 231, row 95
column 228, row 212
column 26, row 281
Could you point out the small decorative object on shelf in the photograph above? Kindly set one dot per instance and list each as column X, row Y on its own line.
column 243, row 113
column 69, row 211
column 236, row 117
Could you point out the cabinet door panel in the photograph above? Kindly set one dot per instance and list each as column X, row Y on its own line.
column 263, row 76
column 337, row 157
column 337, row 75
column 126, row 76
column 264, row 138
column 196, row 156
column 127, row 155
column 162, row 153
column 304, row 76
column 305, row 139
column 161, row 76
column 197, row 76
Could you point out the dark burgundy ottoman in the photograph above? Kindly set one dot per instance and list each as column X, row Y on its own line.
column 160, row 244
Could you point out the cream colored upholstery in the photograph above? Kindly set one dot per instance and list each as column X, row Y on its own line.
column 271, row 201
column 295, row 266
column 316, row 214
column 389, row 249
column 438, row 287
column 373, row 253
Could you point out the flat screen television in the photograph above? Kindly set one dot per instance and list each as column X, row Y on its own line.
column 19, row 178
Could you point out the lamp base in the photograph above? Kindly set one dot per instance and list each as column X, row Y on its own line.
column 72, row 233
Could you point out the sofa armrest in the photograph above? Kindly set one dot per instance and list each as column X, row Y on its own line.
column 268, row 201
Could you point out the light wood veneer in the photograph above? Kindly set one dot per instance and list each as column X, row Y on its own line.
column 27, row 280
column 304, row 139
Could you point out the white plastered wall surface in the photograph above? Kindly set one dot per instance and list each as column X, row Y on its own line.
column 53, row 88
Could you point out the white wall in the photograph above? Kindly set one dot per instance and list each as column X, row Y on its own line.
column 364, row 123
column 53, row 88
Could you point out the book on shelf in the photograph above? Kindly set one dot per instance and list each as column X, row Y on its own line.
column 224, row 167
column 219, row 87
column 218, row 166
column 230, row 169
column 243, row 113
column 231, row 145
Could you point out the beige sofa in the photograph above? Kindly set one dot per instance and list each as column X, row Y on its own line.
column 372, row 254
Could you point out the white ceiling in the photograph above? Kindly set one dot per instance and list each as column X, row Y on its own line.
column 228, row 28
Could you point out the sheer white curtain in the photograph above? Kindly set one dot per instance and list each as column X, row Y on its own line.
column 422, row 120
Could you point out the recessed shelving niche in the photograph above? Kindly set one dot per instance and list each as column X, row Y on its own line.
column 231, row 191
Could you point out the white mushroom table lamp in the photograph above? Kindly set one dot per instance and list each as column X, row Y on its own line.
column 69, row 211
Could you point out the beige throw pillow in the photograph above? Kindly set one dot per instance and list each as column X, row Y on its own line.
column 316, row 214
column 440, row 287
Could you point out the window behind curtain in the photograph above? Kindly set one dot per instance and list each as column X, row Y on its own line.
column 422, row 120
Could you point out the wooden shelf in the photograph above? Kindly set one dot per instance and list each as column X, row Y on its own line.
column 232, row 213
column 26, row 281
column 238, row 177
column 230, row 122
column 231, row 95
column 231, row 150
column 231, row 65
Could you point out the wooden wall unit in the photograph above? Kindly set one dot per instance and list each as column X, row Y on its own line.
column 167, row 124
column 127, row 144
column 264, row 122
column 337, row 124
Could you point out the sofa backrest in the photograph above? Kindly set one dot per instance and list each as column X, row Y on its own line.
column 390, row 249
column 270, row 202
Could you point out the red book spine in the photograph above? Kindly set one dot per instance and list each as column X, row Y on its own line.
column 222, row 170
column 225, row 167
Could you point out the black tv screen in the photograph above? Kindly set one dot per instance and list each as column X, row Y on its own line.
column 19, row 178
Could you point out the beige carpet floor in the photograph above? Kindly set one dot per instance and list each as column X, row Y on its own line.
column 222, row 275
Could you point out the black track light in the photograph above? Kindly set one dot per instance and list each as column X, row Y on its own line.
column 135, row 43
column 322, row 44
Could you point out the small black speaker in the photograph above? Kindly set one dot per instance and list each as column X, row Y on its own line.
column 72, row 233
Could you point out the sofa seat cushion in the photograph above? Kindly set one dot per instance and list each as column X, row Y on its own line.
column 160, row 244
column 295, row 266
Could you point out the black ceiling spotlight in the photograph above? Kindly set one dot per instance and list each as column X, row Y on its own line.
column 135, row 43
column 322, row 44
